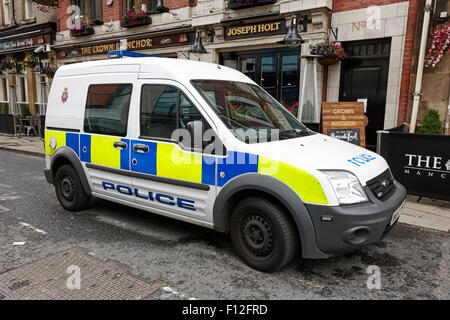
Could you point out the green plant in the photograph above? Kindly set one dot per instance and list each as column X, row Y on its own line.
column 10, row 63
column 31, row 62
column 5, row 108
column 25, row 112
column 329, row 49
column 431, row 124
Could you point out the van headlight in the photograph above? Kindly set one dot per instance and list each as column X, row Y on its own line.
column 346, row 186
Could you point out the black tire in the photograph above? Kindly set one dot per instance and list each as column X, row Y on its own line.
column 69, row 191
column 262, row 234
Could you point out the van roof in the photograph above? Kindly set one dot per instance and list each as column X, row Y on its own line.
column 155, row 67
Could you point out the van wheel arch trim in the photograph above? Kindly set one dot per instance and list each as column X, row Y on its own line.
column 72, row 158
column 280, row 191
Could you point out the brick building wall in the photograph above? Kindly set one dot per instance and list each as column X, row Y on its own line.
column 114, row 11
column 346, row 5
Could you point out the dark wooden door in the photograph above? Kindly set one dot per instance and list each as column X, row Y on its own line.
column 365, row 76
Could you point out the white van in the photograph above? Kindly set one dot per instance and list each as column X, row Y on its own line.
column 116, row 130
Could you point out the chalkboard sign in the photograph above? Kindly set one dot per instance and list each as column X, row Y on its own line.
column 347, row 135
column 344, row 119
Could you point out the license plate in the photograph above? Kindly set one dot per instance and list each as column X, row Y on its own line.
column 397, row 212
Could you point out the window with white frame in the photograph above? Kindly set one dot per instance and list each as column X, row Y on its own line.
column 4, row 89
column 29, row 9
column 6, row 11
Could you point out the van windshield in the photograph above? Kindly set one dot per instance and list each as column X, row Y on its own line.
column 249, row 112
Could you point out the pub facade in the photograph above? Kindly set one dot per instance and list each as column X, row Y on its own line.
column 27, row 30
column 245, row 35
column 250, row 36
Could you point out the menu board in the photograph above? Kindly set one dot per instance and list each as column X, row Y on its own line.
column 344, row 121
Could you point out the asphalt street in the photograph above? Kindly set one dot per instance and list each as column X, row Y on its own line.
column 199, row 263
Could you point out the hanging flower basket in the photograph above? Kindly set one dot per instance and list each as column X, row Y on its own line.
column 31, row 62
column 9, row 63
column 2, row 65
column 135, row 19
column 49, row 71
column 83, row 30
column 242, row 4
column 49, row 3
column 327, row 61
column 329, row 52
column 439, row 46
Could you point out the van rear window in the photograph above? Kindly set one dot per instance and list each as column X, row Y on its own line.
column 107, row 108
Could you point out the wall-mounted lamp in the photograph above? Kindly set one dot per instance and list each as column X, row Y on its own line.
column 198, row 47
column 292, row 37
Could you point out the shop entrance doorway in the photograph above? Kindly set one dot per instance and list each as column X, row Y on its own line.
column 276, row 70
column 364, row 76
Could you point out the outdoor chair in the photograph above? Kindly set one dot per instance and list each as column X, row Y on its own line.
column 31, row 125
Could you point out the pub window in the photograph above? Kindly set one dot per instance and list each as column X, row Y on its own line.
column 29, row 9
column 151, row 5
column 90, row 10
column 4, row 91
column 127, row 5
column 6, row 11
column 107, row 108
column 23, row 89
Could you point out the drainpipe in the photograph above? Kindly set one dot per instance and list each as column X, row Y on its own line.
column 423, row 44
column 447, row 122
column 13, row 9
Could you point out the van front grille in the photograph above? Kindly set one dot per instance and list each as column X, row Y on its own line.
column 382, row 186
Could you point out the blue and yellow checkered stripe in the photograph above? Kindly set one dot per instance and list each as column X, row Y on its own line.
column 167, row 160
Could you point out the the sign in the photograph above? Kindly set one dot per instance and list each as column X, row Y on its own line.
column 344, row 120
column 421, row 162
column 123, row 44
column 130, row 45
column 25, row 43
column 255, row 30
column 347, row 135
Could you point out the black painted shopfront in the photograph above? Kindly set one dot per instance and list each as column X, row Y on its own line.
column 276, row 70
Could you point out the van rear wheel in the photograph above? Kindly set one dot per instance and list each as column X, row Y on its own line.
column 262, row 234
column 69, row 191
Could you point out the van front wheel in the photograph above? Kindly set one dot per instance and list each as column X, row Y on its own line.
column 262, row 234
column 69, row 190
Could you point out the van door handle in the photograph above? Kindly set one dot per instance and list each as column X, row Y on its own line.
column 120, row 145
column 140, row 148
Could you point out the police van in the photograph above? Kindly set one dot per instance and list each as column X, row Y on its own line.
column 204, row 144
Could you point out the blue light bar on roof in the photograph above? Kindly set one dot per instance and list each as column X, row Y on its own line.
column 123, row 53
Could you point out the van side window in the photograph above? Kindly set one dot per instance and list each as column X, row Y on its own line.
column 107, row 108
column 158, row 111
column 164, row 109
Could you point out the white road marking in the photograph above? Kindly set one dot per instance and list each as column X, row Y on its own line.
column 6, row 186
column 3, row 209
column 33, row 228
column 9, row 196
column 171, row 291
column 19, row 243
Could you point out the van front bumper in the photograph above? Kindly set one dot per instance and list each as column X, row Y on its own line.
column 344, row 228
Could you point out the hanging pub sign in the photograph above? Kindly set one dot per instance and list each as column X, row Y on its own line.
column 131, row 45
column 255, row 29
column 344, row 121
column 25, row 42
